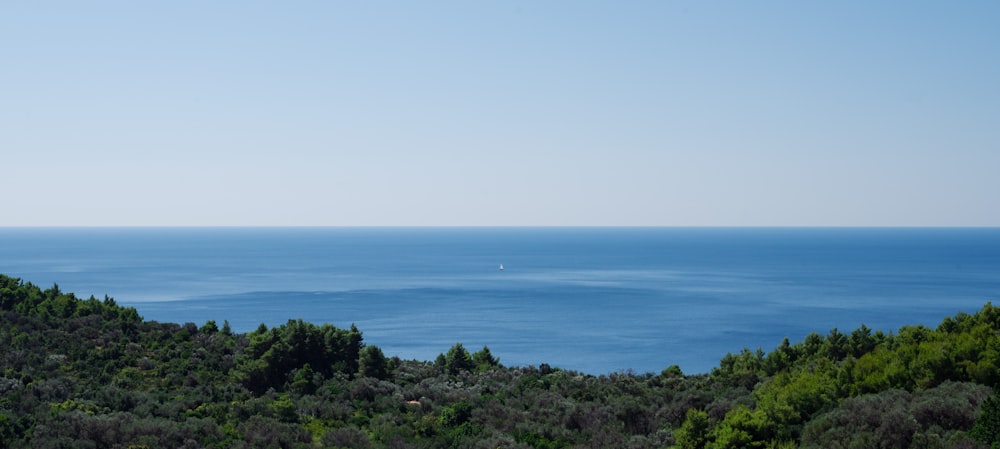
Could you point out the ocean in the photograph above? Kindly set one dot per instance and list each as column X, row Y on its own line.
column 595, row 300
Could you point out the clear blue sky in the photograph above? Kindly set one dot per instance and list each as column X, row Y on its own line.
column 404, row 113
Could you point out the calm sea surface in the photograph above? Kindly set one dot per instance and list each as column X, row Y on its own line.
column 596, row 300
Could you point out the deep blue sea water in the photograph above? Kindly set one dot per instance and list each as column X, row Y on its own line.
column 596, row 300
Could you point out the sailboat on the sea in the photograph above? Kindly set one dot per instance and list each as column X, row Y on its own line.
column 501, row 267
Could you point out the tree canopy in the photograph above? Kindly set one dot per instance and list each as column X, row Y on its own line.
column 89, row 373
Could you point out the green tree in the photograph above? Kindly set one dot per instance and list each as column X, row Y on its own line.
column 836, row 345
column 458, row 359
column 861, row 341
column 273, row 354
column 484, row 360
column 456, row 414
column 303, row 380
column 373, row 363
column 672, row 372
column 812, row 344
column 986, row 429
column 693, row 433
column 209, row 328
column 781, row 358
column 743, row 428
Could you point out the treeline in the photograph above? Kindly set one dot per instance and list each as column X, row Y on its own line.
column 88, row 373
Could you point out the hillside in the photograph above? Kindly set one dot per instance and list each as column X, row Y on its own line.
column 88, row 373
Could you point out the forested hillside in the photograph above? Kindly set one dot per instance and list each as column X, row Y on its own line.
column 87, row 373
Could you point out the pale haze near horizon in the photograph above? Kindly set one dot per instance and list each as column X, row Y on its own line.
column 191, row 113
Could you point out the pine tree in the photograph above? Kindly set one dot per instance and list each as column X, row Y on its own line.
column 373, row 363
column 484, row 359
column 458, row 360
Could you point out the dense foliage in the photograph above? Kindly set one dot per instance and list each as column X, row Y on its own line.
column 87, row 373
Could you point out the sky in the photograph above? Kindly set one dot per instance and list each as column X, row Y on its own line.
column 499, row 113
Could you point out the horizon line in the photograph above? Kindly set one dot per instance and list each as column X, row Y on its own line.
column 558, row 226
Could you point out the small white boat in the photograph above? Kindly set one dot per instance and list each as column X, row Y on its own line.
column 501, row 267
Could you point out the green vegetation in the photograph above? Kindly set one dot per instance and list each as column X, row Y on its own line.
column 88, row 373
